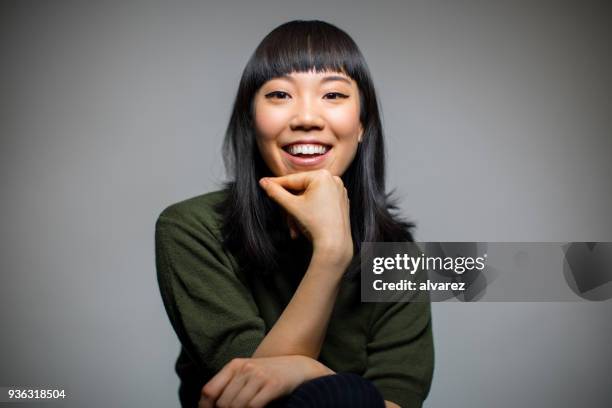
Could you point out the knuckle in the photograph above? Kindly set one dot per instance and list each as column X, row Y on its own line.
column 325, row 173
column 256, row 403
column 270, row 191
column 237, row 362
column 273, row 383
column 260, row 375
column 248, row 366
column 274, row 195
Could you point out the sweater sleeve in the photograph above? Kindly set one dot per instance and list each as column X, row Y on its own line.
column 211, row 310
column 400, row 352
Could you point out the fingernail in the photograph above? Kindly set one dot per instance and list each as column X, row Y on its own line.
column 263, row 181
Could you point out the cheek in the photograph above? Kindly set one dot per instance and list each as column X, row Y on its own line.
column 345, row 121
column 269, row 123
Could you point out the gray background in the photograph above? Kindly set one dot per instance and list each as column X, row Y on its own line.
column 498, row 124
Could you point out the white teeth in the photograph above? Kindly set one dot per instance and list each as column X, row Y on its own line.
column 307, row 149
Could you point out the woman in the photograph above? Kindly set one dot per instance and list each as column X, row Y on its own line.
column 260, row 279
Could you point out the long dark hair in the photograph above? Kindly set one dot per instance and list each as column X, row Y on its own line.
column 253, row 226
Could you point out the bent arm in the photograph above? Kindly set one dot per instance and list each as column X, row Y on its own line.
column 213, row 312
column 302, row 326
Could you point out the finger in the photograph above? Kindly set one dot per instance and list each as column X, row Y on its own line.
column 248, row 391
column 295, row 181
column 277, row 193
column 293, row 228
column 215, row 386
column 293, row 232
column 231, row 390
column 266, row 394
column 206, row 402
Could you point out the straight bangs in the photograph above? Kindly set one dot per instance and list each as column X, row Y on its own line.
column 302, row 46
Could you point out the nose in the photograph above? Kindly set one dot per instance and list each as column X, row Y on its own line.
column 306, row 116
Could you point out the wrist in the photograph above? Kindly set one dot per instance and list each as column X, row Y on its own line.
column 333, row 254
column 315, row 369
column 328, row 266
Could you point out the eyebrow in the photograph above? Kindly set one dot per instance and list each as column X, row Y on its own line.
column 328, row 78
column 336, row 78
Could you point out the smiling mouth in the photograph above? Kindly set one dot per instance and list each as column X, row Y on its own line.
column 306, row 149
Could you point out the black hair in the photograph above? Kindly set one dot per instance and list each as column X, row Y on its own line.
column 253, row 227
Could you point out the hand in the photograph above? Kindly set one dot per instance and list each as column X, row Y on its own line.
column 294, row 228
column 254, row 382
column 321, row 210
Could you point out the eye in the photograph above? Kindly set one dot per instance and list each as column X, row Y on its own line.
column 335, row 95
column 277, row 95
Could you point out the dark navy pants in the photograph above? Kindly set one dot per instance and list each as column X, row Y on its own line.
column 341, row 390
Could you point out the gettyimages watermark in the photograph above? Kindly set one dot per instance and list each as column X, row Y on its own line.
column 486, row 271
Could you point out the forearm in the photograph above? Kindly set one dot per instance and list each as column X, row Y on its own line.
column 301, row 327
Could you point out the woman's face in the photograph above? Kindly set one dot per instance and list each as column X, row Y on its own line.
column 306, row 121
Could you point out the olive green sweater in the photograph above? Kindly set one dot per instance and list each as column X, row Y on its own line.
column 220, row 311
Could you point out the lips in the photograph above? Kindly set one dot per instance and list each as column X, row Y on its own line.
column 306, row 149
column 306, row 154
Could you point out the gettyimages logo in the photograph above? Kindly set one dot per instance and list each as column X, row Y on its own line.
column 486, row 271
column 473, row 280
column 588, row 269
